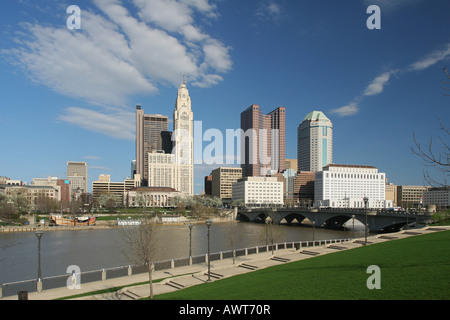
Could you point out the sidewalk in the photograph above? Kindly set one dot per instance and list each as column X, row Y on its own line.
column 183, row 277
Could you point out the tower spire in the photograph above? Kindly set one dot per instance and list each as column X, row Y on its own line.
column 184, row 78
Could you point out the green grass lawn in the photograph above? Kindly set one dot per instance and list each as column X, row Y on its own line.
column 413, row 268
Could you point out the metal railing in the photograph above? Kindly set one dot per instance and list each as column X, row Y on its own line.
column 53, row 282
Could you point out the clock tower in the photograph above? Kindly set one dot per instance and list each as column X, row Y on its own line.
column 183, row 138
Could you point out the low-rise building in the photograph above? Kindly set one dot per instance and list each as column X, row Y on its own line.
column 36, row 196
column 222, row 181
column 346, row 186
column 259, row 192
column 410, row 196
column 151, row 197
column 103, row 186
column 440, row 197
column 391, row 193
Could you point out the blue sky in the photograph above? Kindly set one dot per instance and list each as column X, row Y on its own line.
column 70, row 95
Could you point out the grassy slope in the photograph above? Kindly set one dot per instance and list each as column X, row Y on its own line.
column 414, row 268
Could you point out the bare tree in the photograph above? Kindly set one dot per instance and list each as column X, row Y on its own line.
column 437, row 157
column 272, row 231
column 141, row 245
column 234, row 235
column 446, row 83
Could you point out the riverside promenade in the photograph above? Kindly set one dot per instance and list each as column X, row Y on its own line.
column 187, row 276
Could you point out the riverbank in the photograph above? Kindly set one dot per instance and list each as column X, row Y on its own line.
column 132, row 287
column 409, row 265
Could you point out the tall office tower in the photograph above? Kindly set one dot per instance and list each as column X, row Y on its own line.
column 315, row 142
column 278, row 143
column 183, row 139
column 77, row 174
column 148, row 138
column 262, row 141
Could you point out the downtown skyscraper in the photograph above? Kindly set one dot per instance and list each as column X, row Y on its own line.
column 263, row 145
column 148, row 139
column 183, row 140
column 157, row 165
column 315, row 142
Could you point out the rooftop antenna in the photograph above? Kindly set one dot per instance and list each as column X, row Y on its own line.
column 184, row 78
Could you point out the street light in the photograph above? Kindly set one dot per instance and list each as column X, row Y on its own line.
column 267, row 232
column 208, row 223
column 39, row 235
column 314, row 227
column 190, row 239
column 353, row 226
column 366, row 202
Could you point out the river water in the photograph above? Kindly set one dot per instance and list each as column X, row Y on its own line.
column 98, row 249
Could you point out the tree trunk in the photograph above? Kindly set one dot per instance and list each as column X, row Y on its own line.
column 150, row 280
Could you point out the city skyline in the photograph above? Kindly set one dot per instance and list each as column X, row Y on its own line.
column 70, row 95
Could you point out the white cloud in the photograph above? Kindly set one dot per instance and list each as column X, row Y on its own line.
column 389, row 6
column 80, row 65
column 217, row 56
column 377, row 85
column 269, row 10
column 347, row 110
column 116, row 55
column 431, row 59
column 118, row 125
column 100, row 168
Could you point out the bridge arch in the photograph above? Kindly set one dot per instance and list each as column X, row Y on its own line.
column 294, row 216
column 261, row 218
column 392, row 227
column 336, row 221
column 243, row 217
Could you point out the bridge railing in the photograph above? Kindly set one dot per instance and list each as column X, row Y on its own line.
column 60, row 281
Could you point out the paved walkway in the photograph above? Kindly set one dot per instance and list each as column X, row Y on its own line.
column 183, row 277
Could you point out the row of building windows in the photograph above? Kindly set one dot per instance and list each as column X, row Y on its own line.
column 354, row 176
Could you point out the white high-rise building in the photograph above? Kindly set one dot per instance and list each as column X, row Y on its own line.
column 183, row 139
column 345, row 186
column 162, row 170
column 315, row 142
column 158, row 168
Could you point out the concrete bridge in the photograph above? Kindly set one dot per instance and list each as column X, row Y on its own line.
column 378, row 221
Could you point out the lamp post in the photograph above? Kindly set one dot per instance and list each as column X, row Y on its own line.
column 190, row 239
column 366, row 202
column 353, row 226
column 314, row 228
column 39, row 235
column 267, row 232
column 208, row 223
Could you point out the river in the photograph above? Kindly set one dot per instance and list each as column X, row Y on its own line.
column 97, row 249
